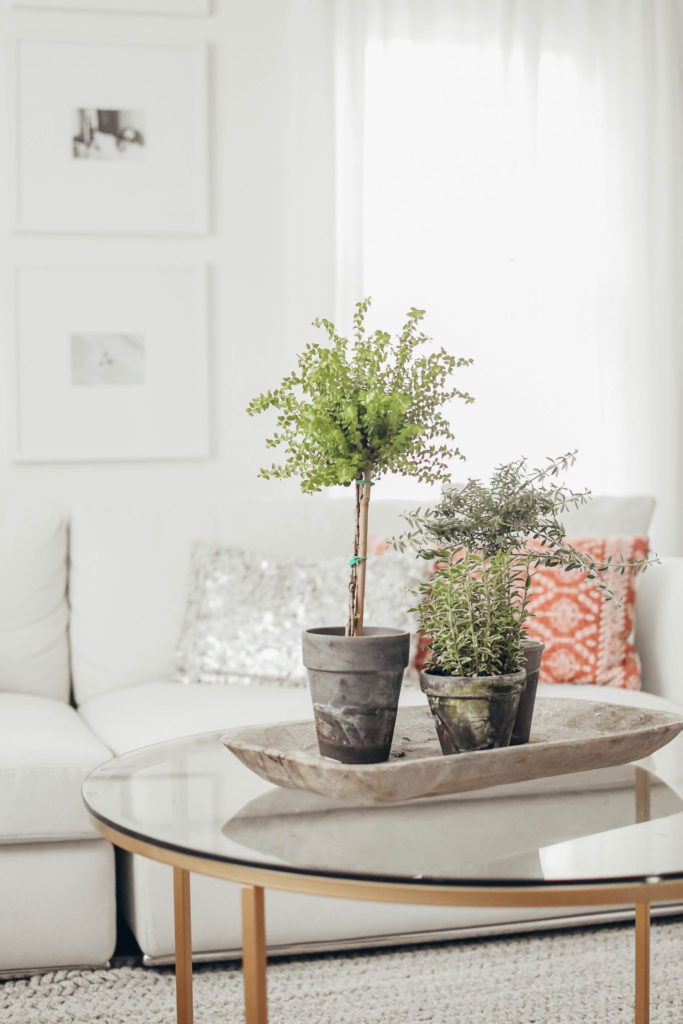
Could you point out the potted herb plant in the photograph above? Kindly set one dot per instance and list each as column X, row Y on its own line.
column 352, row 412
column 517, row 517
column 473, row 609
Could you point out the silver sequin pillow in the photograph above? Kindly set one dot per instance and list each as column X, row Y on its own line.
column 245, row 613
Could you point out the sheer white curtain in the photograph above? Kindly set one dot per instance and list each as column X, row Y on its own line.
column 515, row 168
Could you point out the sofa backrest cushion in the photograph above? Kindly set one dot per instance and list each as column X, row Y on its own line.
column 34, row 643
column 659, row 637
column 130, row 563
column 611, row 516
column 130, row 571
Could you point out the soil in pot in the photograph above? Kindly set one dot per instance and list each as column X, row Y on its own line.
column 355, row 683
column 531, row 663
column 473, row 712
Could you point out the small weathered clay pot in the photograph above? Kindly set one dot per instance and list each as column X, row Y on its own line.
column 355, row 683
column 531, row 663
column 473, row 712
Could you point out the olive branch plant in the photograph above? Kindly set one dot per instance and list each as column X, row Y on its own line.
column 356, row 410
column 477, row 533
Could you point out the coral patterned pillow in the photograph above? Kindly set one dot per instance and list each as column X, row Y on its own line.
column 588, row 639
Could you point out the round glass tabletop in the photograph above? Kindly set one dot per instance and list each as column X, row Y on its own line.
column 192, row 795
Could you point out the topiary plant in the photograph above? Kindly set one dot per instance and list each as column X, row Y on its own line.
column 354, row 411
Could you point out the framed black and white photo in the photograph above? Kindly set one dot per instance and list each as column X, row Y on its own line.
column 110, row 363
column 111, row 138
column 192, row 7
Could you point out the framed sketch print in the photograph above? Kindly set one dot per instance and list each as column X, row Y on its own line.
column 110, row 363
column 111, row 138
column 196, row 7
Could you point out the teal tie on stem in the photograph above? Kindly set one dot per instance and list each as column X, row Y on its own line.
column 356, row 559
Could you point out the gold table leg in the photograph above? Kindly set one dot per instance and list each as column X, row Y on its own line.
column 183, row 946
column 254, row 955
column 642, row 963
column 642, row 794
column 643, row 812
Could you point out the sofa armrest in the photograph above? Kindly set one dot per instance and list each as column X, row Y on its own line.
column 659, row 629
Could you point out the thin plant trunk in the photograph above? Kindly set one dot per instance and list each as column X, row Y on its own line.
column 354, row 625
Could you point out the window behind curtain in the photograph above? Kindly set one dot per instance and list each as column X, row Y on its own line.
column 517, row 171
column 482, row 203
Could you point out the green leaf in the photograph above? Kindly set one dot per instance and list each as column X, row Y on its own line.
column 371, row 404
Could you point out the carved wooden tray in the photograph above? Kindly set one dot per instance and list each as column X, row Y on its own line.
column 567, row 735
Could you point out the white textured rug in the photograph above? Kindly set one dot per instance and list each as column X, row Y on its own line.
column 585, row 975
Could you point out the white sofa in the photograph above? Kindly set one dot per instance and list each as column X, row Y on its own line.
column 92, row 604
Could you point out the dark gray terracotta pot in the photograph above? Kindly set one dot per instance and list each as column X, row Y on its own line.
column 532, row 653
column 355, row 684
column 473, row 712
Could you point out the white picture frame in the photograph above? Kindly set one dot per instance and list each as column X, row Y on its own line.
column 110, row 363
column 195, row 8
column 111, row 137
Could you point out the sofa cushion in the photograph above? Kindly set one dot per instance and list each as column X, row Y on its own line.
column 588, row 639
column 154, row 712
column 668, row 759
column 609, row 695
column 58, row 912
column 610, row 515
column 659, row 637
column 130, row 569
column 46, row 750
column 245, row 613
column 34, row 651
column 130, row 565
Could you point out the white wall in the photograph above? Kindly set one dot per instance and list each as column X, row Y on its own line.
column 270, row 250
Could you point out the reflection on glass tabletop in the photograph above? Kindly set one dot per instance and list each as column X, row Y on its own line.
column 193, row 795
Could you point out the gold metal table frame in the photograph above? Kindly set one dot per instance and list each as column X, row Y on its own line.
column 254, row 880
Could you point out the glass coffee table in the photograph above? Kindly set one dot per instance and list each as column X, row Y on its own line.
column 612, row 837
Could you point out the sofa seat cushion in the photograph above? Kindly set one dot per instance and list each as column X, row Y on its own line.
column 46, row 750
column 154, row 712
column 58, row 912
column 668, row 760
column 608, row 694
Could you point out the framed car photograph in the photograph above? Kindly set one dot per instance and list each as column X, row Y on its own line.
column 110, row 363
column 111, row 137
